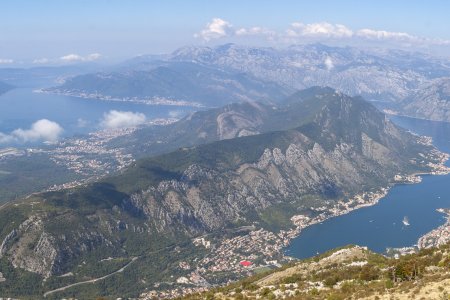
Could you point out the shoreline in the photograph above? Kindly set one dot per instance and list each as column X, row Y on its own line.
column 390, row 112
column 156, row 101
column 437, row 236
column 222, row 257
column 367, row 199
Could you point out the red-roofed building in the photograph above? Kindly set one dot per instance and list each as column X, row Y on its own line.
column 246, row 263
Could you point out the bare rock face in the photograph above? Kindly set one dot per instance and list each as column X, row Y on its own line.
column 342, row 145
column 431, row 101
column 231, row 124
column 40, row 259
column 33, row 249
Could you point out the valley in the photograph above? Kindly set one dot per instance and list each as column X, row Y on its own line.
column 275, row 181
column 224, row 150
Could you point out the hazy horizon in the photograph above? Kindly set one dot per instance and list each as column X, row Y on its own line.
column 53, row 32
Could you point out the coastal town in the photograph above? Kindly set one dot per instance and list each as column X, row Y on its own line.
column 89, row 156
column 236, row 256
column 260, row 249
column 97, row 96
column 252, row 252
column 438, row 236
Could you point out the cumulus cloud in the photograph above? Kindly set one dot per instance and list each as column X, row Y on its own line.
column 329, row 63
column 120, row 119
column 93, row 56
column 81, row 123
column 384, row 35
column 41, row 130
column 255, row 31
column 217, row 28
column 303, row 32
column 5, row 138
column 78, row 58
column 40, row 61
column 6, row 61
column 322, row 29
column 175, row 114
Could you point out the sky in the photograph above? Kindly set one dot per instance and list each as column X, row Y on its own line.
column 65, row 31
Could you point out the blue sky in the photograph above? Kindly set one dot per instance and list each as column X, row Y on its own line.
column 45, row 30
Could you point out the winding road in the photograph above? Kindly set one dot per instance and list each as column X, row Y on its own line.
column 90, row 281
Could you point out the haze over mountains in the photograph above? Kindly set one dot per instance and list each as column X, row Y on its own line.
column 224, row 150
column 184, row 82
column 409, row 83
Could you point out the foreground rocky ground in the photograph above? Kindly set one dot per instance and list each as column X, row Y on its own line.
column 349, row 273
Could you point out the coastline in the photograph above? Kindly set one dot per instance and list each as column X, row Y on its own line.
column 269, row 247
column 438, row 236
column 390, row 112
column 372, row 198
column 99, row 97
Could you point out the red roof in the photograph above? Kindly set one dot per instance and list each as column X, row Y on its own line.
column 246, row 263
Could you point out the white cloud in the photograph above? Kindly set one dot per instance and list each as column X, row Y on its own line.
column 217, row 28
column 72, row 57
column 322, row 29
column 385, row 35
column 329, row 63
column 175, row 114
column 41, row 130
column 307, row 32
column 121, row 119
column 78, row 58
column 258, row 31
column 81, row 123
column 40, row 61
column 6, row 61
column 93, row 56
column 5, row 138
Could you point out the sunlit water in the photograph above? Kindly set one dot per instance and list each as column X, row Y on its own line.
column 380, row 226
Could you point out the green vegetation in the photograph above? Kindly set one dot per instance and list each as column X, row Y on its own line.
column 122, row 216
column 338, row 278
column 23, row 175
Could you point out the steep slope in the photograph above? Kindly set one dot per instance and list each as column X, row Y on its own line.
column 431, row 102
column 233, row 120
column 181, row 83
column 349, row 273
column 340, row 146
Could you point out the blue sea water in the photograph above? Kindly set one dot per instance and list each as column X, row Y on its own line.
column 380, row 226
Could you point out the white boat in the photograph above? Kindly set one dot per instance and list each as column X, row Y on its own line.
column 405, row 221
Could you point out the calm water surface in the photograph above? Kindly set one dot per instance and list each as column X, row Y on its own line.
column 21, row 107
column 380, row 226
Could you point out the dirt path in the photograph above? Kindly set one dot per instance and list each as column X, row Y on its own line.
column 108, row 275
column 90, row 281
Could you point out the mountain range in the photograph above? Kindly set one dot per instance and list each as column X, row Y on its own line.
column 407, row 83
column 244, row 165
column 194, row 83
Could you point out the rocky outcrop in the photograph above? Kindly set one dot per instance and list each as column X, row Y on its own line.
column 320, row 148
column 431, row 101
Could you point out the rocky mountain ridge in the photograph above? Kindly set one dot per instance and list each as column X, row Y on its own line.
column 393, row 76
column 337, row 147
column 407, row 82
column 172, row 83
